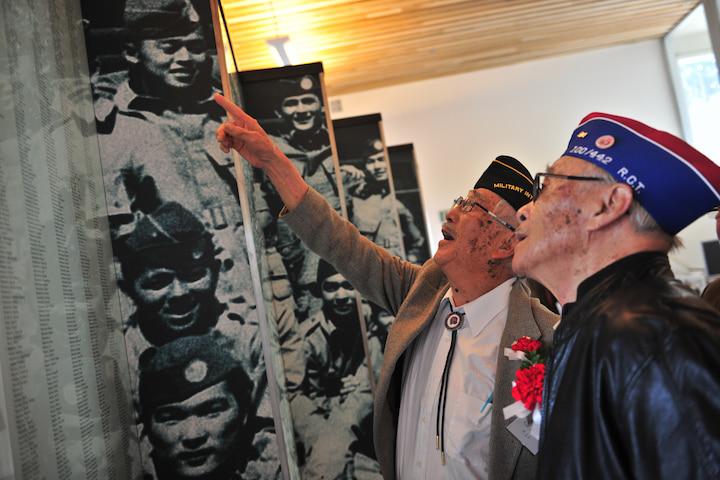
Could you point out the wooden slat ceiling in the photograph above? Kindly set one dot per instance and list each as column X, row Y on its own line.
column 372, row 43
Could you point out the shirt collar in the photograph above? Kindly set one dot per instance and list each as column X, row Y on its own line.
column 481, row 311
column 128, row 99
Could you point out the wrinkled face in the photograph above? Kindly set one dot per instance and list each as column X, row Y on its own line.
column 377, row 166
column 551, row 228
column 338, row 294
column 303, row 111
column 469, row 238
column 197, row 436
column 177, row 62
column 177, row 299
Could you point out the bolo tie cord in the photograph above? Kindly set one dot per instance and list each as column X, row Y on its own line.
column 440, row 419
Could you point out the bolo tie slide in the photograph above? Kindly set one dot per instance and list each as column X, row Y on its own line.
column 453, row 322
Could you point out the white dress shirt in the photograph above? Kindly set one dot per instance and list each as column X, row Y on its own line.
column 471, row 382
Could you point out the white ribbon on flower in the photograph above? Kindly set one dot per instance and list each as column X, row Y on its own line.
column 514, row 355
column 536, row 421
column 517, row 409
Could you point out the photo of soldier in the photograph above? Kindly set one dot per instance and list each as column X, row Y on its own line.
column 374, row 209
column 332, row 411
column 291, row 109
column 172, row 195
column 378, row 327
column 196, row 411
column 157, row 121
column 170, row 271
column 332, row 414
column 371, row 200
column 410, row 205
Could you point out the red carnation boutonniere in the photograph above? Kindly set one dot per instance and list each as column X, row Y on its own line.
column 527, row 387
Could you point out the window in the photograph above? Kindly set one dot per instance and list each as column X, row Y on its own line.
column 694, row 72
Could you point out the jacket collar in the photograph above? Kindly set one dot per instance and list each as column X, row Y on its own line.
column 626, row 270
column 620, row 274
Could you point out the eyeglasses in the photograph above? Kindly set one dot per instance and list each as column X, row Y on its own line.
column 466, row 205
column 537, row 182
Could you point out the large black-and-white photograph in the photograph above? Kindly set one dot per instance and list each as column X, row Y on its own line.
column 191, row 325
column 409, row 202
column 372, row 205
column 332, row 411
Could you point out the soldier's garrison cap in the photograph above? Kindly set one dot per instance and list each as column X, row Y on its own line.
column 292, row 87
column 185, row 367
column 324, row 271
column 508, row 178
column 169, row 236
column 673, row 181
column 373, row 146
column 148, row 19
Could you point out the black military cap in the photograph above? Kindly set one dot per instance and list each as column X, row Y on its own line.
column 324, row 271
column 509, row 178
column 372, row 147
column 291, row 87
column 160, row 18
column 186, row 366
column 169, row 236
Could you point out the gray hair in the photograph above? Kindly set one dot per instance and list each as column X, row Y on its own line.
column 640, row 219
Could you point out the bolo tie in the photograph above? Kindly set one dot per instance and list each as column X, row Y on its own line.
column 453, row 322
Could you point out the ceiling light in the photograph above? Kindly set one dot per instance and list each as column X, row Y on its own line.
column 281, row 50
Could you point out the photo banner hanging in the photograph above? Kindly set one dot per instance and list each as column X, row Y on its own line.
column 372, row 206
column 367, row 178
column 191, row 311
column 332, row 422
column 410, row 205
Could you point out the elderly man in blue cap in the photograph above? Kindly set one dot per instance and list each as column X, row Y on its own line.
column 632, row 386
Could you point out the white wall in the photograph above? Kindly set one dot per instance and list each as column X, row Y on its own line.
column 459, row 123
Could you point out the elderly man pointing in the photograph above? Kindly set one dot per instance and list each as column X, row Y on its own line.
column 444, row 380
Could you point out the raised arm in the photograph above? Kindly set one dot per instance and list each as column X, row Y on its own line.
column 382, row 278
column 243, row 133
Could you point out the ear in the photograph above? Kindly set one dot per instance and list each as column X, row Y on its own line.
column 615, row 202
column 131, row 53
column 506, row 249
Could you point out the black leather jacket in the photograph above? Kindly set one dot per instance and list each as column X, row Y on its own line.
column 632, row 388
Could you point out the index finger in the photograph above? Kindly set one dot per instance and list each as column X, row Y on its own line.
column 232, row 109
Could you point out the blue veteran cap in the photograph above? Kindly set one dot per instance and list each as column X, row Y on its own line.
column 674, row 182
